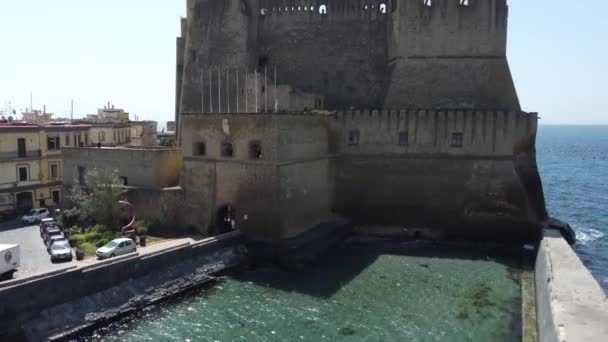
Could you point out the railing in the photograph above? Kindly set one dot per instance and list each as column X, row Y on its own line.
column 15, row 155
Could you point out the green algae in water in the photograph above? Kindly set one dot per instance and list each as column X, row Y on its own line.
column 402, row 292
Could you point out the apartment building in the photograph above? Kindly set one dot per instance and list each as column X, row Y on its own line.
column 31, row 165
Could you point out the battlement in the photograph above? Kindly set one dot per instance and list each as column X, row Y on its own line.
column 449, row 131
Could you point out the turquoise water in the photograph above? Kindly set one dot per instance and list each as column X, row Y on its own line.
column 360, row 293
column 573, row 162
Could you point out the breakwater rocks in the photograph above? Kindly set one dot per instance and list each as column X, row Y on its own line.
column 110, row 292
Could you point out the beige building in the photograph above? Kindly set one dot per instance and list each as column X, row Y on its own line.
column 110, row 134
column 31, row 166
column 144, row 133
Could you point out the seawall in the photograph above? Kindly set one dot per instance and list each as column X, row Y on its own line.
column 570, row 304
column 94, row 294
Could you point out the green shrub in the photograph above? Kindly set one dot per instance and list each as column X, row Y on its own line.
column 78, row 239
column 74, row 230
column 100, row 229
column 143, row 231
column 88, row 247
column 102, row 242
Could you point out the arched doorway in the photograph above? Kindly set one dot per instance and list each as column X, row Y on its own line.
column 25, row 201
column 226, row 219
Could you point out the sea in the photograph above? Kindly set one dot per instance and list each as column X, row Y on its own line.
column 573, row 163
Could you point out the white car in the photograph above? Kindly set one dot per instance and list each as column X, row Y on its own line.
column 115, row 248
column 35, row 215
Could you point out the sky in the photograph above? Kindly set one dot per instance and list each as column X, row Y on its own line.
column 123, row 51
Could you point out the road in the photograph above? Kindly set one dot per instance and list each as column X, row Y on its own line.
column 34, row 257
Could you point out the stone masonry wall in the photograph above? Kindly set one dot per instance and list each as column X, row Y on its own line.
column 358, row 54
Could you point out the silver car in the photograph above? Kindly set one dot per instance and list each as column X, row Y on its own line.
column 116, row 247
column 60, row 250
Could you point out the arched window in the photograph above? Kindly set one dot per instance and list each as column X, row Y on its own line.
column 323, row 9
column 383, row 8
column 255, row 150
column 227, row 150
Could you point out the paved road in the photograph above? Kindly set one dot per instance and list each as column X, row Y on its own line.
column 34, row 257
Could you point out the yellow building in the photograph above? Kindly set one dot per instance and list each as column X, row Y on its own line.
column 31, row 166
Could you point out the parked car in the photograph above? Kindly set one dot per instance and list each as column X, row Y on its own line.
column 116, row 247
column 47, row 234
column 35, row 215
column 9, row 260
column 60, row 250
column 53, row 239
column 45, row 223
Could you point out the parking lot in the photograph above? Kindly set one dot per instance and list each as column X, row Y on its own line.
column 34, row 257
column 35, row 260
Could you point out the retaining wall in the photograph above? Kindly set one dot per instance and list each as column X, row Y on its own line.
column 570, row 304
column 24, row 301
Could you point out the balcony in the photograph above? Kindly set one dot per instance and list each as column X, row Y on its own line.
column 14, row 155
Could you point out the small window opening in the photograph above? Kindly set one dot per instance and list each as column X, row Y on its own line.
column 255, row 150
column 353, row 138
column 262, row 61
column 323, row 9
column 427, row 3
column 227, row 150
column 403, row 139
column 124, row 180
column 457, row 139
column 464, row 2
column 81, row 175
column 383, row 8
column 199, row 149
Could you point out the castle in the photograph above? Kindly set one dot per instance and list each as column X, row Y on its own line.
column 300, row 117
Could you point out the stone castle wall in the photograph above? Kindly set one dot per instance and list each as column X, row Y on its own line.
column 403, row 169
column 411, row 56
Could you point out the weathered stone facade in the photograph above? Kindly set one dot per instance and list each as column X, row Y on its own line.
column 449, row 148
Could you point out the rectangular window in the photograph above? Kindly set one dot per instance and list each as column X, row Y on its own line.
column 54, row 171
column 86, row 139
column 56, row 197
column 67, row 140
column 199, row 149
column 227, row 150
column 53, row 143
column 21, row 150
column 457, row 139
column 403, row 139
column 353, row 138
column 77, row 142
column 81, row 175
column 23, row 173
column 114, row 135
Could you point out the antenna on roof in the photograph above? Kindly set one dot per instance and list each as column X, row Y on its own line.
column 72, row 110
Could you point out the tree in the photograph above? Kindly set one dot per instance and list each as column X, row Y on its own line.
column 98, row 199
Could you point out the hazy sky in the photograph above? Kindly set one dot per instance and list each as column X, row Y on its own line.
column 123, row 51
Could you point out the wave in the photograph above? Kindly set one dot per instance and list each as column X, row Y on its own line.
column 586, row 235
